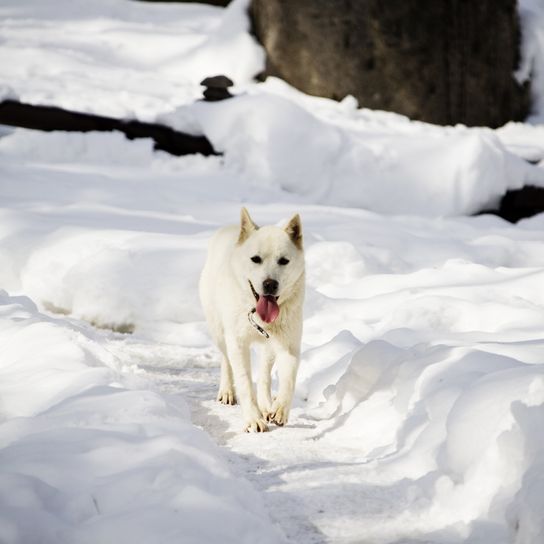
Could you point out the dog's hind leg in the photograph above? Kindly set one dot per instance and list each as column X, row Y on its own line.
column 226, row 393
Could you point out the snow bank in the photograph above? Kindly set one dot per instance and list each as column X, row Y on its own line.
column 87, row 456
column 81, row 212
column 434, row 173
column 525, row 512
column 442, row 386
column 449, row 411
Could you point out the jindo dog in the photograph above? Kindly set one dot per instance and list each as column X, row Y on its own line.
column 252, row 290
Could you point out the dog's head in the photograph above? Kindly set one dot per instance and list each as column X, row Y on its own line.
column 270, row 260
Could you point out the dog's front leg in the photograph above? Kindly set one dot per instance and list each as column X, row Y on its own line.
column 239, row 357
column 226, row 393
column 264, row 398
column 287, row 365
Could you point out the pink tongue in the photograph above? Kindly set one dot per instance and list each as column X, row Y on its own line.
column 267, row 308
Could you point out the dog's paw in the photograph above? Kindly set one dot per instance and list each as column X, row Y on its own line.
column 226, row 396
column 256, row 426
column 265, row 409
column 279, row 414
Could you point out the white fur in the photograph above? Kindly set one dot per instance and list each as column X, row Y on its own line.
column 227, row 298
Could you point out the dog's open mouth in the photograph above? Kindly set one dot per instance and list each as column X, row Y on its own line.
column 267, row 306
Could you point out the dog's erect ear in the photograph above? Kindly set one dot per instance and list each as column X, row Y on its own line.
column 247, row 226
column 294, row 230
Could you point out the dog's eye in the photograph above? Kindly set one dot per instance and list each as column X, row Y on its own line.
column 256, row 259
column 283, row 261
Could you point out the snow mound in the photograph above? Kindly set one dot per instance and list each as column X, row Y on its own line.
column 429, row 172
column 87, row 456
column 462, row 424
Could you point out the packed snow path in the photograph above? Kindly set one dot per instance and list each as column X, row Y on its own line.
column 280, row 464
column 302, row 479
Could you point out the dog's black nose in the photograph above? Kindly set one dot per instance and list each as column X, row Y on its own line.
column 270, row 287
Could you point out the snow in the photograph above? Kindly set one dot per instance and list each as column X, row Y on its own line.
column 87, row 455
column 129, row 59
column 448, row 172
column 421, row 352
column 121, row 58
column 420, row 398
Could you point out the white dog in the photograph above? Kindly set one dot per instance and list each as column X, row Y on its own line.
column 252, row 290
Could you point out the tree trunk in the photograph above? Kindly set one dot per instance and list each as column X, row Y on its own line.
column 441, row 61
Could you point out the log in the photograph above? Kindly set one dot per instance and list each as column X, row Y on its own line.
column 49, row 118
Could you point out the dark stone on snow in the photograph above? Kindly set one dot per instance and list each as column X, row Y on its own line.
column 50, row 118
column 217, row 82
column 213, row 95
column 521, row 203
column 441, row 61
column 217, row 88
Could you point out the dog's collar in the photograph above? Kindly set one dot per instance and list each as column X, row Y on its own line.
column 259, row 329
column 250, row 318
column 255, row 294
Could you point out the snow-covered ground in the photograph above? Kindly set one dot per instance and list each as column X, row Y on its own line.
column 90, row 453
column 420, row 401
column 131, row 59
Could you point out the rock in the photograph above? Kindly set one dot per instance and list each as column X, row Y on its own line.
column 213, row 95
column 217, row 88
column 520, row 203
column 218, row 82
column 441, row 61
